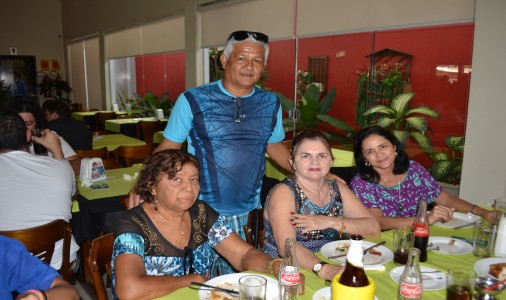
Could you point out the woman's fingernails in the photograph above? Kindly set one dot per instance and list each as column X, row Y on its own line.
column 292, row 213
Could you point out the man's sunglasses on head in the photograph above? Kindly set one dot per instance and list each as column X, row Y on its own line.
column 241, row 35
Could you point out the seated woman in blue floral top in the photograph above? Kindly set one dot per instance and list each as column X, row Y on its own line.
column 312, row 209
column 165, row 243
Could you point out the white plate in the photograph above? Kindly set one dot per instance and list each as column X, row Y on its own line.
column 387, row 255
column 324, row 294
column 432, row 284
column 459, row 219
column 481, row 267
column 459, row 246
column 205, row 294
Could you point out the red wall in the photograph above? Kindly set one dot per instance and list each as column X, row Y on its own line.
column 160, row 73
column 429, row 46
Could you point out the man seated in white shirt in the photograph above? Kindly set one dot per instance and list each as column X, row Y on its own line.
column 34, row 190
column 33, row 118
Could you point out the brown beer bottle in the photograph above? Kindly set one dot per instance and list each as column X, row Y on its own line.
column 354, row 274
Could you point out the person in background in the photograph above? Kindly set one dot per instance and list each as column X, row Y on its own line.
column 18, row 88
column 76, row 133
column 25, row 274
column 391, row 185
column 229, row 125
column 32, row 115
column 35, row 190
column 166, row 242
column 311, row 209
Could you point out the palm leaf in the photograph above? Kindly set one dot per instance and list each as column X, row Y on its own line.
column 455, row 142
column 424, row 110
column 402, row 136
column 327, row 102
column 286, row 103
column 380, row 109
column 339, row 124
column 386, row 122
column 417, row 122
column 422, row 140
column 440, row 156
column 400, row 103
column 440, row 169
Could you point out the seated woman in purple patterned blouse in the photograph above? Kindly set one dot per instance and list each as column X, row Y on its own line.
column 313, row 210
column 391, row 185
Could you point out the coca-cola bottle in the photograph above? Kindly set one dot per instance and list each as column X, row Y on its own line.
column 353, row 274
column 410, row 283
column 421, row 226
column 289, row 273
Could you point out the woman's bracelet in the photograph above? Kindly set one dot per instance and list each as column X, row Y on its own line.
column 343, row 227
column 39, row 293
column 269, row 266
column 473, row 207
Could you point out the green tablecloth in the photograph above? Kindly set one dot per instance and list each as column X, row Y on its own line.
column 115, row 124
column 80, row 115
column 386, row 288
column 158, row 137
column 117, row 185
column 113, row 141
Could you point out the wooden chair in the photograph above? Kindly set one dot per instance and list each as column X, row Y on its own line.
column 97, row 263
column 110, row 163
column 76, row 107
column 101, row 116
column 40, row 241
column 123, row 117
column 133, row 154
column 148, row 129
column 102, row 153
column 254, row 230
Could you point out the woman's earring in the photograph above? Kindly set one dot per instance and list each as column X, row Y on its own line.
column 156, row 202
column 367, row 164
column 395, row 153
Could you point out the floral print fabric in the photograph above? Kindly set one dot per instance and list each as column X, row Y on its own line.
column 315, row 239
column 400, row 200
column 136, row 234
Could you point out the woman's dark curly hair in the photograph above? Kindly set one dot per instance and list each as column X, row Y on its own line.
column 164, row 163
column 401, row 162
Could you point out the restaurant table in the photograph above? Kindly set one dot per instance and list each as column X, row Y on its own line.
column 113, row 141
column 342, row 158
column 93, row 205
column 129, row 126
column 88, row 117
column 386, row 288
column 158, row 137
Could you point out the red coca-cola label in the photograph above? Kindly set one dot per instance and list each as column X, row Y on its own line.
column 421, row 230
column 289, row 279
column 411, row 290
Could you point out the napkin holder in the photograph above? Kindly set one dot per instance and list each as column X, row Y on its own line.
column 339, row 291
column 92, row 170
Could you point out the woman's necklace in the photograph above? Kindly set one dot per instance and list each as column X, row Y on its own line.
column 180, row 225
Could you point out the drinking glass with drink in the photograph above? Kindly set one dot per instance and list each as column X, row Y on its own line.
column 403, row 241
column 252, row 287
column 483, row 239
column 459, row 284
column 38, row 149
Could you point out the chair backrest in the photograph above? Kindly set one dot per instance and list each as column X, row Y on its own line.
column 76, row 107
column 40, row 241
column 254, row 230
column 111, row 163
column 100, row 152
column 148, row 129
column 101, row 116
column 97, row 261
column 133, row 154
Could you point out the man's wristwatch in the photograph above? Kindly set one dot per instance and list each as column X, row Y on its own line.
column 318, row 267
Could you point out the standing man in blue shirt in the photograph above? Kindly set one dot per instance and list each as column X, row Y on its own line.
column 229, row 125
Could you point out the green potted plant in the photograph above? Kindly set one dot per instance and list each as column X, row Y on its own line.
column 404, row 121
column 312, row 109
column 151, row 102
column 447, row 166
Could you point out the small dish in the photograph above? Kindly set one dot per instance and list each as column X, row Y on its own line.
column 482, row 266
column 459, row 247
column 387, row 255
column 459, row 219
